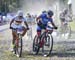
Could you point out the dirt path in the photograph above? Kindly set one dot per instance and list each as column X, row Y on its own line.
column 61, row 50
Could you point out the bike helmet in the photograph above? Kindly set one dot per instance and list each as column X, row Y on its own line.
column 50, row 13
column 44, row 11
column 65, row 11
column 20, row 13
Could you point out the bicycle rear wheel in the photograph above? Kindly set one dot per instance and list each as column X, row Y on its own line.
column 36, row 46
column 48, row 44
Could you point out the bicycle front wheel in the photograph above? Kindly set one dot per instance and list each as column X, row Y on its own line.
column 48, row 44
column 18, row 47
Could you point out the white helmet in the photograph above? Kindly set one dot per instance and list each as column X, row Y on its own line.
column 4, row 17
column 20, row 13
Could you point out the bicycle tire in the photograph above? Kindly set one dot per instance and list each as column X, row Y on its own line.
column 18, row 49
column 50, row 38
column 51, row 46
column 36, row 46
column 34, row 43
column 21, row 48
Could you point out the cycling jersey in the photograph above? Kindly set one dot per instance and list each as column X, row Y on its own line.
column 19, row 19
column 15, row 24
column 62, row 17
column 29, row 19
column 44, row 21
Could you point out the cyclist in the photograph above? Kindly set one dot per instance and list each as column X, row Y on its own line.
column 29, row 19
column 62, row 16
column 17, row 22
column 65, row 18
column 42, row 21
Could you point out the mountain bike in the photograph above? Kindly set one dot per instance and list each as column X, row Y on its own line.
column 44, row 41
column 18, row 43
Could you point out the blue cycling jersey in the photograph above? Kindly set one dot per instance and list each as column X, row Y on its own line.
column 45, row 19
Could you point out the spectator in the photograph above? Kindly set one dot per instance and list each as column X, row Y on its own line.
column 29, row 18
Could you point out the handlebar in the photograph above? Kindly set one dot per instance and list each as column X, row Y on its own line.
column 13, row 28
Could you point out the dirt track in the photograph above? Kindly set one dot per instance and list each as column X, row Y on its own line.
column 63, row 50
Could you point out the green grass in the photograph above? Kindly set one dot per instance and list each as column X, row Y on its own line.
column 7, row 55
column 72, row 24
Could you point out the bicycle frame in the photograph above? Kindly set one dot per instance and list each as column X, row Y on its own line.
column 41, row 42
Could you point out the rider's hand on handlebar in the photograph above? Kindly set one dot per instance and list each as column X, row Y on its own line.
column 55, row 27
column 10, row 27
column 27, row 28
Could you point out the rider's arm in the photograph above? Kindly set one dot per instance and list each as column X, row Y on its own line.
column 26, row 24
column 11, row 22
column 37, row 19
column 53, row 23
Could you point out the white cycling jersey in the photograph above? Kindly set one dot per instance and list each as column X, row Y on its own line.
column 15, row 24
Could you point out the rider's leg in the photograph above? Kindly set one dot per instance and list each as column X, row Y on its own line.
column 13, row 40
column 15, row 37
column 38, row 30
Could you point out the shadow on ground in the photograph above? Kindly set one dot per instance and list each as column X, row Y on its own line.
column 63, row 54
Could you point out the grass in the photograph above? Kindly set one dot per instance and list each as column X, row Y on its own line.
column 72, row 24
column 7, row 55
